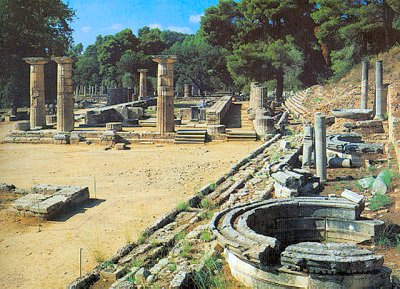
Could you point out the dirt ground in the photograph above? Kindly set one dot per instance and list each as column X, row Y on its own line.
column 132, row 188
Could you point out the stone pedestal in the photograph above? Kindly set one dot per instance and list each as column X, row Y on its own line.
column 65, row 90
column 187, row 90
column 216, row 129
column 37, row 107
column 165, row 92
column 51, row 119
column 364, row 85
column 142, row 83
column 320, row 146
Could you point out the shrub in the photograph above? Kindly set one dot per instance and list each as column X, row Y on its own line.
column 206, row 235
column 379, row 201
column 205, row 204
column 183, row 206
column 185, row 250
column 172, row 267
column 180, row 236
column 136, row 262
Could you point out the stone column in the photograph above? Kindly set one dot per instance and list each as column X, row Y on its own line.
column 364, row 85
column 142, row 83
column 165, row 92
column 308, row 146
column 320, row 146
column 378, row 90
column 65, row 100
column 37, row 108
column 187, row 90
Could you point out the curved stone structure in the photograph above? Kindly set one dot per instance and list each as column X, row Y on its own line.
column 255, row 235
column 330, row 258
column 354, row 113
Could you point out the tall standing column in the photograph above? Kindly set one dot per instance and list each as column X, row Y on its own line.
column 308, row 146
column 187, row 90
column 142, row 83
column 378, row 90
column 165, row 92
column 65, row 100
column 320, row 146
column 37, row 91
column 364, row 85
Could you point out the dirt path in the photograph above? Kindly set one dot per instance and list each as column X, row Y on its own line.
column 133, row 187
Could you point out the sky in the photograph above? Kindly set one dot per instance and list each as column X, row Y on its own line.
column 104, row 17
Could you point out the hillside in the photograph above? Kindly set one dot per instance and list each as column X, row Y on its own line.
column 347, row 92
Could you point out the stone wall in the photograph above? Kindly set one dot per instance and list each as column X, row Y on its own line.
column 394, row 117
column 216, row 114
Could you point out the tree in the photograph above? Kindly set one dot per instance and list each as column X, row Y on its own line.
column 29, row 28
column 199, row 63
column 251, row 28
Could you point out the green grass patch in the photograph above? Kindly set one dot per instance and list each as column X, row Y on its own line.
column 142, row 237
column 206, row 235
column 206, row 204
column 183, row 206
column 379, row 201
column 136, row 262
column 211, row 276
column 185, row 250
column 206, row 215
column 172, row 267
column 180, row 236
column 106, row 264
column 387, row 238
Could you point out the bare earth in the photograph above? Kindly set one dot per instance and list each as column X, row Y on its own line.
column 133, row 187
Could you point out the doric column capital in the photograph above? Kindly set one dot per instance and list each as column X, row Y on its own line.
column 62, row 59
column 36, row 60
column 165, row 58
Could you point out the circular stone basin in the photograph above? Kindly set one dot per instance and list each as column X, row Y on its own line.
column 356, row 113
column 257, row 239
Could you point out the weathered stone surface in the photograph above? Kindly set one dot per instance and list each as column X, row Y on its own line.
column 48, row 200
column 180, row 280
column 352, row 144
column 366, row 183
column 352, row 196
column 114, row 126
column 379, row 187
column 330, row 258
column 22, row 126
column 354, row 113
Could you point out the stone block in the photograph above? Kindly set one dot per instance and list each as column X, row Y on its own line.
column 22, row 126
column 114, row 126
column 29, row 201
column 352, row 196
column 215, row 129
column 50, row 206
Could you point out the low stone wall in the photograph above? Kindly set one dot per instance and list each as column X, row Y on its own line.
column 215, row 114
column 394, row 117
column 87, row 137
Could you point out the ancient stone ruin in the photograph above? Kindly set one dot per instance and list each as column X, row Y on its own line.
column 49, row 201
column 274, row 243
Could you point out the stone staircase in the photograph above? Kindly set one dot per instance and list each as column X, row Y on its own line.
column 240, row 135
column 187, row 136
column 295, row 103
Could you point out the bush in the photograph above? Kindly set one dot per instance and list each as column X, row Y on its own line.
column 379, row 201
column 183, row 206
column 206, row 235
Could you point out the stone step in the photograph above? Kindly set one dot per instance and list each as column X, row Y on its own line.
column 187, row 141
